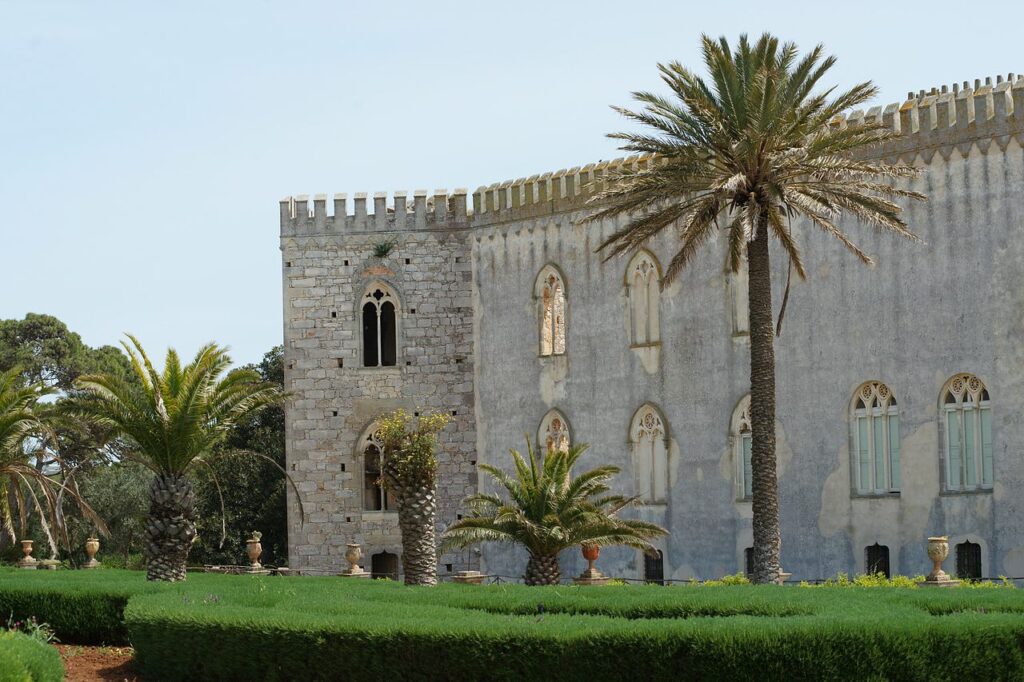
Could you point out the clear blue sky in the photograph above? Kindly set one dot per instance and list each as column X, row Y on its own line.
column 145, row 145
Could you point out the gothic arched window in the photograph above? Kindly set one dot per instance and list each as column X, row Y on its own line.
column 380, row 320
column 554, row 432
column 742, row 448
column 875, row 426
column 642, row 280
column 649, row 439
column 968, row 428
column 549, row 289
column 375, row 496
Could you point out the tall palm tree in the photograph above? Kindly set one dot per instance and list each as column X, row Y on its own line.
column 173, row 420
column 548, row 510
column 24, row 487
column 746, row 151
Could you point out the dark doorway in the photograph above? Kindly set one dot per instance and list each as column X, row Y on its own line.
column 748, row 561
column 384, row 565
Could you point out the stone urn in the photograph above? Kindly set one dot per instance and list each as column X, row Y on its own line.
column 27, row 561
column 591, row 576
column 469, row 577
column 92, row 545
column 254, row 549
column 938, row 550
column 353, row 554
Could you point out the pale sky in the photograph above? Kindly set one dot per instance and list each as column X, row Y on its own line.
column 145, row 145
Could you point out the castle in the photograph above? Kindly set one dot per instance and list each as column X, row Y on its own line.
column 900, row 388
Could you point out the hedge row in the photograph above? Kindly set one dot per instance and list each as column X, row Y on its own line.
column 23, row 659
column 243, row 628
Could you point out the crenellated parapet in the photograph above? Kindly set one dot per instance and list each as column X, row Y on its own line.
column 424, row 212
column 945, row 119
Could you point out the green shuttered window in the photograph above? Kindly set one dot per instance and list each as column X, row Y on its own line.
column 876, row 440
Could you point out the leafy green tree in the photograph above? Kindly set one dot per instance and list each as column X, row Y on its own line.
column 546, row 510
column 118, row 492
column 174, row 421
column 746, row 151
column 23, row 487
column 253, row 488
column 409, row 470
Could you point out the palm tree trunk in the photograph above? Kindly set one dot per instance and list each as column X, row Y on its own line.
column 170, row 528
column 542, row 569
column 767, row 538
column 417, row 511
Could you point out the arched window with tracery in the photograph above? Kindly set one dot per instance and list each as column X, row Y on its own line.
column 742, row 447
column 642, row 281
column 875, row 425
column 967, row 415
column 549, row 290
column 649, row 439
column 375, row 496
column 554, row 432
column 380, row 326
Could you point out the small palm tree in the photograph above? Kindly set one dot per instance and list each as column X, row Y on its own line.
column 409, row 470
column 173, row 421
column 24, row 487
column 745, row 152
column 548, row 510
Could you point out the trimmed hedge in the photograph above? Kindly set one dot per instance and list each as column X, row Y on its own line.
column 23, row 659
column 245, row 627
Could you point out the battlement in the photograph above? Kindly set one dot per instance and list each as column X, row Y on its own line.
column 425, row 212
column 942, row 118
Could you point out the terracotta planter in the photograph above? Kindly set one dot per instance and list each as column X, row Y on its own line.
column 92, row 545
column 591, row 576
column 590, row 553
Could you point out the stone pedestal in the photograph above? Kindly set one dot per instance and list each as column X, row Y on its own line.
column 469, row 577
column 49, row 564
column 591, row 576
column 354, row 573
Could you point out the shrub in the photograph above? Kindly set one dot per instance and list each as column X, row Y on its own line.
column 24, row 659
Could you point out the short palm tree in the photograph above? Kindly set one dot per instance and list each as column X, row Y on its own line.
column 173, row 422
column 24, row 487
column 547, row 510
column 745, row 152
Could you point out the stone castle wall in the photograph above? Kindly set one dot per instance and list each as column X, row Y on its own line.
column 925, row 313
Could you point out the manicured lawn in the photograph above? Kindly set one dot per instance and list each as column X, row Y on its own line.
column 242, row 627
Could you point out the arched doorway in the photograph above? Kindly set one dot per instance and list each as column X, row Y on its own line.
column 384, row 565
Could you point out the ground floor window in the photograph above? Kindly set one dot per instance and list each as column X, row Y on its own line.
column 968, row 561
column 654, row 567
column 877, row 560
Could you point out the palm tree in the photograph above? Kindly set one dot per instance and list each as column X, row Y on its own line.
column 548, row 510
column 24, row 487
column 746, row 152
column 173, row 421
column 409, row 470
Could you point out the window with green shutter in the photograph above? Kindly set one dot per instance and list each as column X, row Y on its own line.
column 968, row 431
column 875, row 438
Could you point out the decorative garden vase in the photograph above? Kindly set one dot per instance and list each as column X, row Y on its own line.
column 254, row 548
column 92, row 545
column 353, row 553
column 591, row 576
column 27, row 561
column 938, row 550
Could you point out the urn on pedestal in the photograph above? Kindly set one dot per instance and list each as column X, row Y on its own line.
column 92, row 545
column 938, row 550
column 591, row 576
column 353, row 553
column 254, row 548
column 27, row 561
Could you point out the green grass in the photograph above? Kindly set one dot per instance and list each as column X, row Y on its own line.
column 243, row 627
